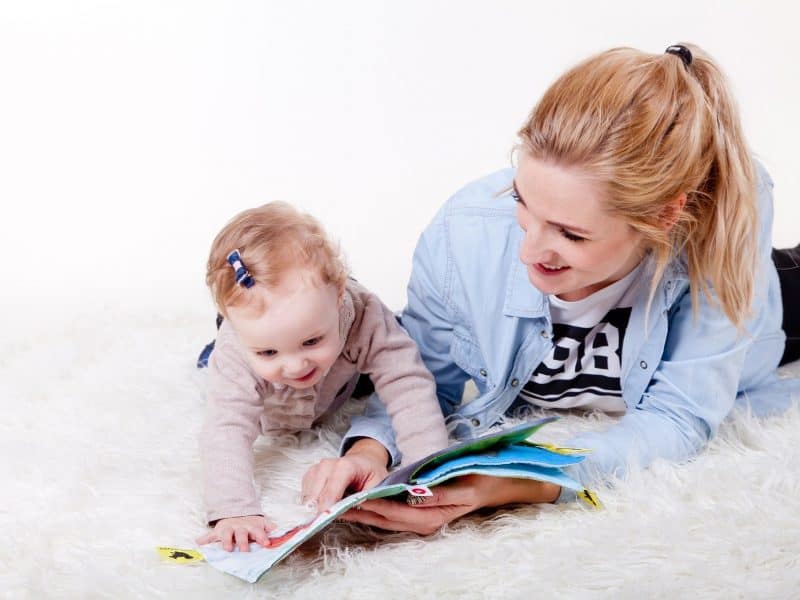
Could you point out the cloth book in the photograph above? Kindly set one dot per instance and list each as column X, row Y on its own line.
column 507, row 453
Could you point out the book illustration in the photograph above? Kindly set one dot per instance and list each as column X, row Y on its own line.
column 501, row 454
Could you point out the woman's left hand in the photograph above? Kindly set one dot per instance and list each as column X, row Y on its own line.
column 449, row 502
column 361, row 468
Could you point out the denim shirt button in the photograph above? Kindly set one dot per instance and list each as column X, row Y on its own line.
column 483, row 372
column 544, row 334
column 514, row 382
column 643, row 364
column 476, row 422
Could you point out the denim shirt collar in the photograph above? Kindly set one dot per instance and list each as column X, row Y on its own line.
column 522, row 298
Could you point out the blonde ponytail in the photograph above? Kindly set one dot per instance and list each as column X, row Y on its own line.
column 651, row 128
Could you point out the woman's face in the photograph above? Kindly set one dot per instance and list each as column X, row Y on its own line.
column 572, row 247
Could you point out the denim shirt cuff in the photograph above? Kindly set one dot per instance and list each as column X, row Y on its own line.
column 364, row 427
column 566, row 495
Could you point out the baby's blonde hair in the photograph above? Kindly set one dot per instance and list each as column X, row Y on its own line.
column 271, row 239
column 649, row 128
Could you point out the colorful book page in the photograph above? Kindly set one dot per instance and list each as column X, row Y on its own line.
column 250, row 566
column 509, row 455
column 475, row 445
column 516, row 471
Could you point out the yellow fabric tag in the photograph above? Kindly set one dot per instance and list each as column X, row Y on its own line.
column 561, row 449
column 590, row 498
column 179, row 555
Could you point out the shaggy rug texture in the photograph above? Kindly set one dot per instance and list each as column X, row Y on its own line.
column 99, row 428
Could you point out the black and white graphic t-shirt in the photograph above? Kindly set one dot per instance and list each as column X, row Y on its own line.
column 583, row 369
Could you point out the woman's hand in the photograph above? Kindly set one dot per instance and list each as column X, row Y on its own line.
column 362, row 467
column 239, row 530
column 451, row 501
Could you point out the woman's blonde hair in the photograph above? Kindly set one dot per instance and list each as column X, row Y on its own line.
column 270, row 239
column 650, row 127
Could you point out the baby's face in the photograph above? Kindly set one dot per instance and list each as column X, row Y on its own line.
column 295, row 340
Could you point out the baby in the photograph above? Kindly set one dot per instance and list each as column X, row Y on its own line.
column 296, row 334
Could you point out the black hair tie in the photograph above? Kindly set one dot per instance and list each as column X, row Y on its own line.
column 682, row 51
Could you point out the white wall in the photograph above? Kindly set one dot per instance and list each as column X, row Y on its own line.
column 131, row 130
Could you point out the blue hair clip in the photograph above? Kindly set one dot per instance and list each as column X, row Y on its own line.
column 243, row 277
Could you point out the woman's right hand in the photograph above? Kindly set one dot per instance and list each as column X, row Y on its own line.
column 239, row 531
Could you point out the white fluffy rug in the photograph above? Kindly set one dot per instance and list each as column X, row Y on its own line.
column 100, row 466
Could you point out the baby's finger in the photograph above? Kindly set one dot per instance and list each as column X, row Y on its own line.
column 259, row 535
column 242, row 539
column 226, row 537
column 211, row 536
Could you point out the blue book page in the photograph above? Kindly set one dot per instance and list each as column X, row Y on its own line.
column 516, row 471
column 509, row 455
column 475, row 445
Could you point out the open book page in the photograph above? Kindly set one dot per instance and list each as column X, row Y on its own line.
column 501, row 454
column 251, row 565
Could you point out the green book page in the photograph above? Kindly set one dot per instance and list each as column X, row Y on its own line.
column 481, row 444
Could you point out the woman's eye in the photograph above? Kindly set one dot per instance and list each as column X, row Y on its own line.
column 515, row 196
column 572, row 237
column 267, row 353
column 313, row 341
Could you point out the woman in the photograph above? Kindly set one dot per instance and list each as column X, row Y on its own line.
column 624, row 266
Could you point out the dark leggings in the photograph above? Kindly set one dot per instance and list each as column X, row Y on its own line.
column 787, row 262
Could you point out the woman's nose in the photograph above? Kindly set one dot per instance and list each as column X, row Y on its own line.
column 536, row 247
column 531, row 247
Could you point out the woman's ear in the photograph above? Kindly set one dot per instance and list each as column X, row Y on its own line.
column 672, row 211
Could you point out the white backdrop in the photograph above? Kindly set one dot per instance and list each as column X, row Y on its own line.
column 131, row 131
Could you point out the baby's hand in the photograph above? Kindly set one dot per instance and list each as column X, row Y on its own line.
column 239, row 530
column 363, row 467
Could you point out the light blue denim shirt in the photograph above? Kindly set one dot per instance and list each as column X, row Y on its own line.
column 475, row 315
